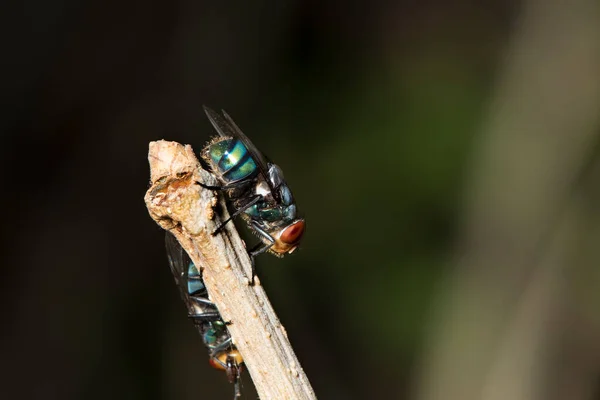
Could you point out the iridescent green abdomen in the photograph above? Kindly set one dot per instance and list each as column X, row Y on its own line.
column 194, row 283
column 231, row 160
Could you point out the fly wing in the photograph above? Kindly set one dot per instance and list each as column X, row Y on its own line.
column 218, row 122
column 179, row 262
column 227, row 128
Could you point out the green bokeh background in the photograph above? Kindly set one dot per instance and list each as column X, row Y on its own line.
column 372, row 109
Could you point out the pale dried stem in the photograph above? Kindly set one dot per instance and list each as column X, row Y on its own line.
column 181, row 206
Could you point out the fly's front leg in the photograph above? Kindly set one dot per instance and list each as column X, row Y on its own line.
column 221, row 347
column 236, row 387
column 228, row 186
column 260, row 247
column 237, row 212
column 233, row 375
column 253, row 200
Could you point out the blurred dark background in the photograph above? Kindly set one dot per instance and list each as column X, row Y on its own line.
column 379, row 113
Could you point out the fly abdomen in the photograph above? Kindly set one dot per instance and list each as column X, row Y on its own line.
column 231, row 160
column 195, row 285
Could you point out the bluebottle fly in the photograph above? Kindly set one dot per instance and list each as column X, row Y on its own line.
column 255, row 188
column 223, row 354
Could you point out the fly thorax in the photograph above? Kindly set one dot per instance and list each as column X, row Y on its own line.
column 290, row 212
column 276, row 175
column 287, row 202
column 262, row 189
column 265, row 213
column 210, row 336
column 285, row 194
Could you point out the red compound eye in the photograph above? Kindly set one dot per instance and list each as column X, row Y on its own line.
column 293, row 233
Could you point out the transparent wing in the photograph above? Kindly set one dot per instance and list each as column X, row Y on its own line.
column 178, row 262
column 227, row 128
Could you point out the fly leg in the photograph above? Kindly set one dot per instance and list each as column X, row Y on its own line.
column 233, row 371
column 208, row 316
column 219, row 348
column 228, row 186
column 237, row 212
column 236, row 388
column 250, row 203
column 260, row 247
column 233, row 374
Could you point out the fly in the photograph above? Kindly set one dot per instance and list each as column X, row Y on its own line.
column 222, row 352
column 255, row 188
